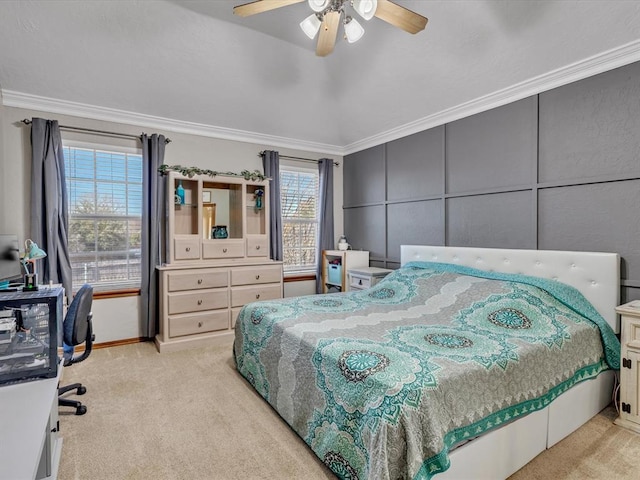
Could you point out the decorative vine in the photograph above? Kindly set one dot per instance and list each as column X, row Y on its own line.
column 191, row 171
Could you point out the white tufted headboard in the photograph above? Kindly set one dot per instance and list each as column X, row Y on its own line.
column 596, row 275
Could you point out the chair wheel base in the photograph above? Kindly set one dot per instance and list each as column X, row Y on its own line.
column 82, row 390
column 81, row 410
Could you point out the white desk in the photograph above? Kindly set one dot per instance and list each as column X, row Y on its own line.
column 29, row 443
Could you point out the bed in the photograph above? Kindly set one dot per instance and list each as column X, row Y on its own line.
column 463, row 363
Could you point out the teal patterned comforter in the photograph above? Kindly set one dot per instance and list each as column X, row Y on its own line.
column 382, row 383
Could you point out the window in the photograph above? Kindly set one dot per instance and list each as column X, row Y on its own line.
column 299, row 197
column 105, row 216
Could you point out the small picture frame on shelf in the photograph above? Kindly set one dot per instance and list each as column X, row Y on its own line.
column 206, row 196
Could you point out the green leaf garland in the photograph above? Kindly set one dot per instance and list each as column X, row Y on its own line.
column 191, row 171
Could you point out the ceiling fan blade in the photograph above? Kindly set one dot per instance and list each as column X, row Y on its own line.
column 328, row 33
column 260, row 6
column 400, row 17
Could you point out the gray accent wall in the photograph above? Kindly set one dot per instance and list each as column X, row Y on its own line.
column 555, row 171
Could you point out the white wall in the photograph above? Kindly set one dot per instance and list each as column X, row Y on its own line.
column 119, row 318
column 3, row 174
column 296, row 289
column 116, row 318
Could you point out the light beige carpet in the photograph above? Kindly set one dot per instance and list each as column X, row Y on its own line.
column 190, row 415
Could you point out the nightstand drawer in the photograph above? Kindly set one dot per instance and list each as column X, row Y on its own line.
column 198, row 323
column 194, row 280
column 197, row 301
column 254, row 275
column 631, row 332
column 243, row 295
column 366, row 277
column 358, row 282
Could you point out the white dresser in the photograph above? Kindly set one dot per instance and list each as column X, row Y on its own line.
column 200, row 303
column 209, row 276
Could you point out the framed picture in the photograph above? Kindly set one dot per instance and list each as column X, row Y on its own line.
column 206, row 196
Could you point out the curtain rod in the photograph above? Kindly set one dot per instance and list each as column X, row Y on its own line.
column 26, row 121
column 300, row 159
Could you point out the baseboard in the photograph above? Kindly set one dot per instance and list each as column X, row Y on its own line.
column 115, row 343
column 118, row 343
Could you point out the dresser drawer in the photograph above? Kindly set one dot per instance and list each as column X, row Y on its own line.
column 257, row 246
column 186, row 248
column 197, row 279
column 223, row 249
column 197, row 301
column 243, row 295
column 198, row 323
column 234, row 316
column 255, row 275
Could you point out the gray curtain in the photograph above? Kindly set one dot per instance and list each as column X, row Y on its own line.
column 271, row 164
column 49, row 205
column 153, row 228
column 326, row 237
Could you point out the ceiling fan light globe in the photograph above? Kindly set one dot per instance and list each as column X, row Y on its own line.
column 310, row 26
column 353, row 30
column 365, row 8
column 318, row 5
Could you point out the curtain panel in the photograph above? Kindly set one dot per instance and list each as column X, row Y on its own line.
column 49, row 203
column 326, row 237
column 271, row 165
column 153, row 229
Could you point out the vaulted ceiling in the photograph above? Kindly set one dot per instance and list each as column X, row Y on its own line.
column 195, row 62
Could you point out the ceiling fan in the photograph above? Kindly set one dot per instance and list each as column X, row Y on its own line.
column 327, row 13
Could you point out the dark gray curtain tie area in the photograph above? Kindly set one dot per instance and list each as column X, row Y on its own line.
column 326, row 237
column 153, row 229
column 49, row 203
column 271, row 165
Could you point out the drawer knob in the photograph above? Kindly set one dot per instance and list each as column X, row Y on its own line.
column 199, row 324
column 188, row 249
column 199, row 302
column 257, row 277
column 224, row 250
column 199, row 281
column 257, row 296
column 257, row 247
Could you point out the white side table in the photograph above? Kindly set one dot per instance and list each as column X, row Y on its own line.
column 366, row 277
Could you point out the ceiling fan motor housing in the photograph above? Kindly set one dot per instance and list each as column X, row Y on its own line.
column 327, row 14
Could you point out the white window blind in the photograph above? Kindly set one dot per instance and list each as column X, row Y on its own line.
column 105, row 217
column 299, row 203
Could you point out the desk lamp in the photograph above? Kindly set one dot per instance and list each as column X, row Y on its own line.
column 31, row 253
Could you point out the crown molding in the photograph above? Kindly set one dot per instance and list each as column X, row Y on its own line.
column 63, row 107
column 600, row 63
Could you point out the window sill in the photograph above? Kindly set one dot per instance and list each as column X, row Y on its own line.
column 130, row 292
column 298, row 277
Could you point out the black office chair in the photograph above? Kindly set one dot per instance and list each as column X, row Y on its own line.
column 76, row 330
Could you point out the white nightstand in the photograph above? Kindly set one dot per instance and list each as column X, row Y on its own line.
column 366, row 277
column 629, row 364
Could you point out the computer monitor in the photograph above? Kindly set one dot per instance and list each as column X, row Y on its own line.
column 10, row 268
